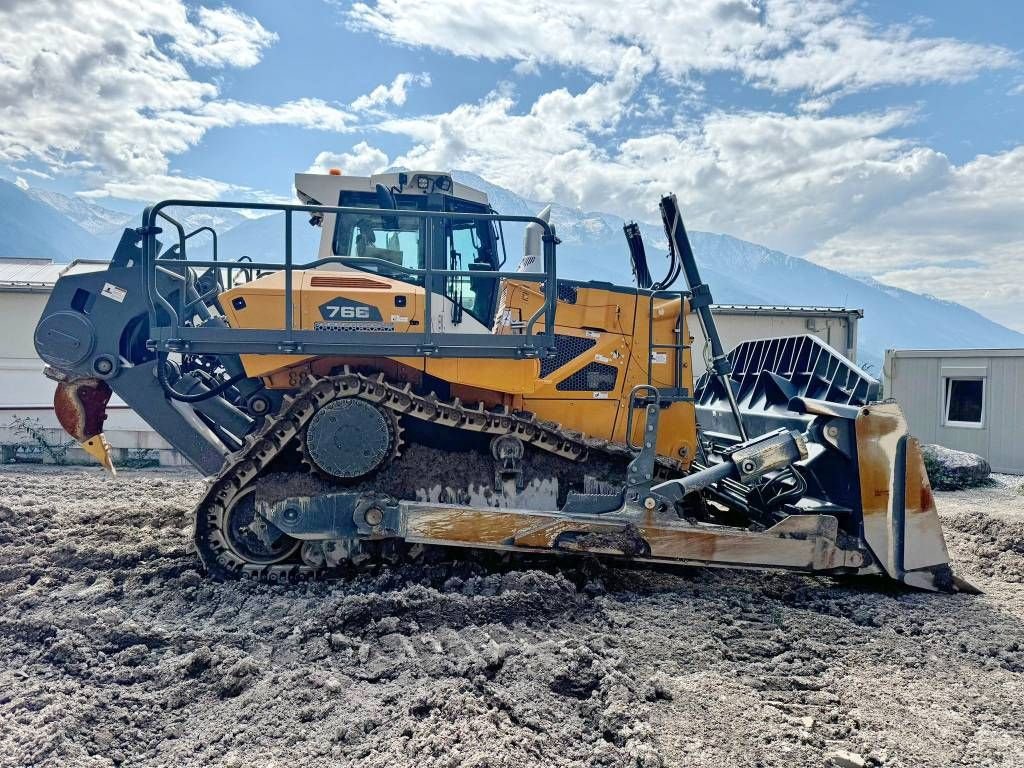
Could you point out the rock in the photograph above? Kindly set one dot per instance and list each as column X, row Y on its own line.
column 238, row 677
column 843, row 759
column 333, row 685
column 951, row 470
column 657, row 689
column 133, row 655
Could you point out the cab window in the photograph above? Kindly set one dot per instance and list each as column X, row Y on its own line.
column 470, row 248
column 390, row 241
column 383, row 240
column 397, row 242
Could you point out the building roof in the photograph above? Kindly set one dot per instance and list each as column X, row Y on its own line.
column 17, row 274
column 1013, row 352
column 776, row 309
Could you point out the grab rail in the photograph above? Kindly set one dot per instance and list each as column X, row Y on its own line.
column 675, row 390
column 171, row 333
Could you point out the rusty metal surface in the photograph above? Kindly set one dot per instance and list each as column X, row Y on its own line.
column 901, row 524
column 81, row 406
column 806, row 542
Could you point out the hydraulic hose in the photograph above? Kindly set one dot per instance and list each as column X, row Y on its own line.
column 161, row 375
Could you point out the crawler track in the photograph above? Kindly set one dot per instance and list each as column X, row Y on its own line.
column 246, row 466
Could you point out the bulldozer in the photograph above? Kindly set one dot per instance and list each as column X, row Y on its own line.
column 401, row 391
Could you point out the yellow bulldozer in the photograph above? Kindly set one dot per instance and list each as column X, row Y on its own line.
column 402, row 391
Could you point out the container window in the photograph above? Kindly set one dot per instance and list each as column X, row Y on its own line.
column 965, row 402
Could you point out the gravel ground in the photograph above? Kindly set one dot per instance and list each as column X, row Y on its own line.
column 116, row 651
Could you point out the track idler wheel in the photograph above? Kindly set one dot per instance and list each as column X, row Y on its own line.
column 233, row 538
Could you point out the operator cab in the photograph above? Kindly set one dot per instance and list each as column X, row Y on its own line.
column 393, row 244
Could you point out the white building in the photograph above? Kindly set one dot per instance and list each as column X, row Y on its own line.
column 26, row 395
column 967, row 399
column 836, row 326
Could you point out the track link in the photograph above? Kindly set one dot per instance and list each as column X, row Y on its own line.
column 244, row 467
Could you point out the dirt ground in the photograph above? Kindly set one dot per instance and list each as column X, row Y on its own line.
column 116, row 651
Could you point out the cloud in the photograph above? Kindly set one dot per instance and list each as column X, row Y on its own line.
column 20, row 182
column 163, row 186
column 791, row 181
column 783, row 45
column 844, row 190
column 314, row 114
column 111, row 97
column 222, row 37
column 117, row 98
column 960, row 239
column 31, row 172
column 396, row 93
column 519, row 149
column 363, row 160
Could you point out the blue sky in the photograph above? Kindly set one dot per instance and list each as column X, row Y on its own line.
column 880, row 138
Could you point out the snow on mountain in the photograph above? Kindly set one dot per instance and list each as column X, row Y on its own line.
column 108, row 224
column 94, row 219
column 34, row 229
column 192, row 218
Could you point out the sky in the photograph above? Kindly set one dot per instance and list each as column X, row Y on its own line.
column 884, row 139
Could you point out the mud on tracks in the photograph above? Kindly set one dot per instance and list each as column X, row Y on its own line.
column 118, row 652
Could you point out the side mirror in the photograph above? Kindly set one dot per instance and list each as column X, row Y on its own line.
column 385, row 198
column 386, row 201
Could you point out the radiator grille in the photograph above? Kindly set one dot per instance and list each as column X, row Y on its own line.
column 567, row 348
column 594, row 377
column 567, row 292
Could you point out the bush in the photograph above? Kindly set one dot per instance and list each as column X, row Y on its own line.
column 32, row 431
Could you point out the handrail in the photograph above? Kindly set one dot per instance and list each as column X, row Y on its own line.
column 156, row 300
column 679, row 347
column 634, row 403
column 231, row 270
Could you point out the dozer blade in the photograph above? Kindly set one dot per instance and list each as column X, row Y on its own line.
column 863, row 464
column 900, row 521
column 81, row 408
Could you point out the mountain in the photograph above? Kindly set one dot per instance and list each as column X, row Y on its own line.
column 263, row 239
column 106, row 224
column 88, row 228
column 94, row 219
column 592, row 248
column 190, row 218
column 32, row 228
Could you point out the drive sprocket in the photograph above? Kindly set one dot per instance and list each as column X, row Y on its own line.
column 349, row 439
